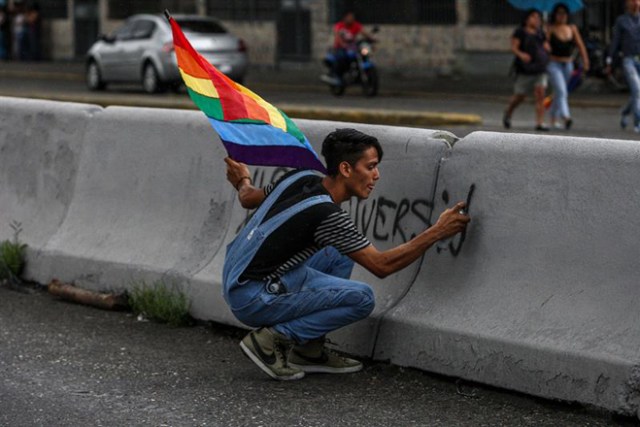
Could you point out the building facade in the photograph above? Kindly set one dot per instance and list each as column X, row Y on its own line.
column 415, row 36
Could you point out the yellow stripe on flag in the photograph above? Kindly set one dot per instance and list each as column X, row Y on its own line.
column 202, row 86
column 275, row 117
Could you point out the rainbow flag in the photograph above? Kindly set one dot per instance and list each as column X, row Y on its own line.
column 252, row 130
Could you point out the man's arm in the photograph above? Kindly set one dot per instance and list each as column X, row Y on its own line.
column 238, row 175
column 382, row 264
column 515, row 48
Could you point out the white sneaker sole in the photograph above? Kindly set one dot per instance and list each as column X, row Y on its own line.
column 255, row 359
column 317, row 369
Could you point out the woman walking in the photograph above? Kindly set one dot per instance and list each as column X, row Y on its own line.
column 563, row 39
column 528, row 44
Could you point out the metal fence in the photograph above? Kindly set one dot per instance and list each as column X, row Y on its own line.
column 493, row 12
column 119, row 9
column 401, row 12
column 244, row 10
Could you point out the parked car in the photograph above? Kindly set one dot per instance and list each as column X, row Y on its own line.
column 142, row 51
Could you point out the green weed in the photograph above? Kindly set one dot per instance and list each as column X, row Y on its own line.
column 160, row 302
column 12, row 254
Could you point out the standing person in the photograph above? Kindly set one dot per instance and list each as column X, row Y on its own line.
column 4, row 32
column 34, row 29
column 626, row 39
column 287, row 272
column 529, row 45
column 19, row 33
column 563, row 39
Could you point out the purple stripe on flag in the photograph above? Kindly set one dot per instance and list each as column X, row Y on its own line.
column 285, row 156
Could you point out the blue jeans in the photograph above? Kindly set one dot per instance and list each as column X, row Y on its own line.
column 631, row 69
column 559, row 75
column 319, row 298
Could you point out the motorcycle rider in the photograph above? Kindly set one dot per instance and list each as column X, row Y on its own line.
column 345, row 34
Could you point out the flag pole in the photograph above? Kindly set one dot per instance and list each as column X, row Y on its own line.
column 167, row 14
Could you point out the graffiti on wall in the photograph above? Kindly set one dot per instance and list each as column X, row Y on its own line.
column 383, row 218
column 454, row 245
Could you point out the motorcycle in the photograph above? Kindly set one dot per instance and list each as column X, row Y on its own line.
column 358, row 69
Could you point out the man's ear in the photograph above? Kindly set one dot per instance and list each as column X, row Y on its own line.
column 344, row 168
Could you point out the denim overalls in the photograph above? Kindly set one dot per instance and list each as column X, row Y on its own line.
column 308, row 301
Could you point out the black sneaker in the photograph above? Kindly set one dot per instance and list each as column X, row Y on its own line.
column 623, row 122
column 506, row 121
column 568, row 123
column 315, row 357
column 541, row 128
column 269, row 351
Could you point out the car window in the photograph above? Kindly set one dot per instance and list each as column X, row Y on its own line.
column 125, row 32
column 143, row 29
column 201, row 26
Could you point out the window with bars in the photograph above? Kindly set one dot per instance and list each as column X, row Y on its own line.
column 119, row 9
column 441, row 12
column 54, row 9
column 244, row 10
column 491, row 12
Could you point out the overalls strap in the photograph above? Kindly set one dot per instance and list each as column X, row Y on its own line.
column 241, row 251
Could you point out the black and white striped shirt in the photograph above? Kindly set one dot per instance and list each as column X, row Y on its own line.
column 304, row 234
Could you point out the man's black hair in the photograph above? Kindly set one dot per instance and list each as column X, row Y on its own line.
column 347, row 145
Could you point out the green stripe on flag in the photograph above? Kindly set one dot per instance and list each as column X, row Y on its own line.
column 254, row 121
column 209, row 106
column 292, row 128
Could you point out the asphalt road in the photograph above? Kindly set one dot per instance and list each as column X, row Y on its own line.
column 595, row 115
column 63, row 364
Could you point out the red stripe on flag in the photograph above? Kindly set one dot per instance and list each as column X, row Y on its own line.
column 235, row 105
column 232, row 101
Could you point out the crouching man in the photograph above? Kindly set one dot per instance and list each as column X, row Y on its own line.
column 287, row 272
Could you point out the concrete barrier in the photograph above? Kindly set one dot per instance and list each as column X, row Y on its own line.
column 542, row 294
column 40, row 145
column 399, row 208
column 150, row 201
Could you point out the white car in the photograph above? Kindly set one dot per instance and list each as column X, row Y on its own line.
column 142, row 51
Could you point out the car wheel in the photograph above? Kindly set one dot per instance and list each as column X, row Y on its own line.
column 94, row 78
column 176, row 87
column 150, row 79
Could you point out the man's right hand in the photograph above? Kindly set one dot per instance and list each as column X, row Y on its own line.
column 452, row 221
column 236, row 171
column 525, row 57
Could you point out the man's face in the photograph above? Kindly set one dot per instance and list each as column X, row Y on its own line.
column 633, row 6
column 362, row 177
column 349, row 18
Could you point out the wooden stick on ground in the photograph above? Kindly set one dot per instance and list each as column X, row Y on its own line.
column 83, row 296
